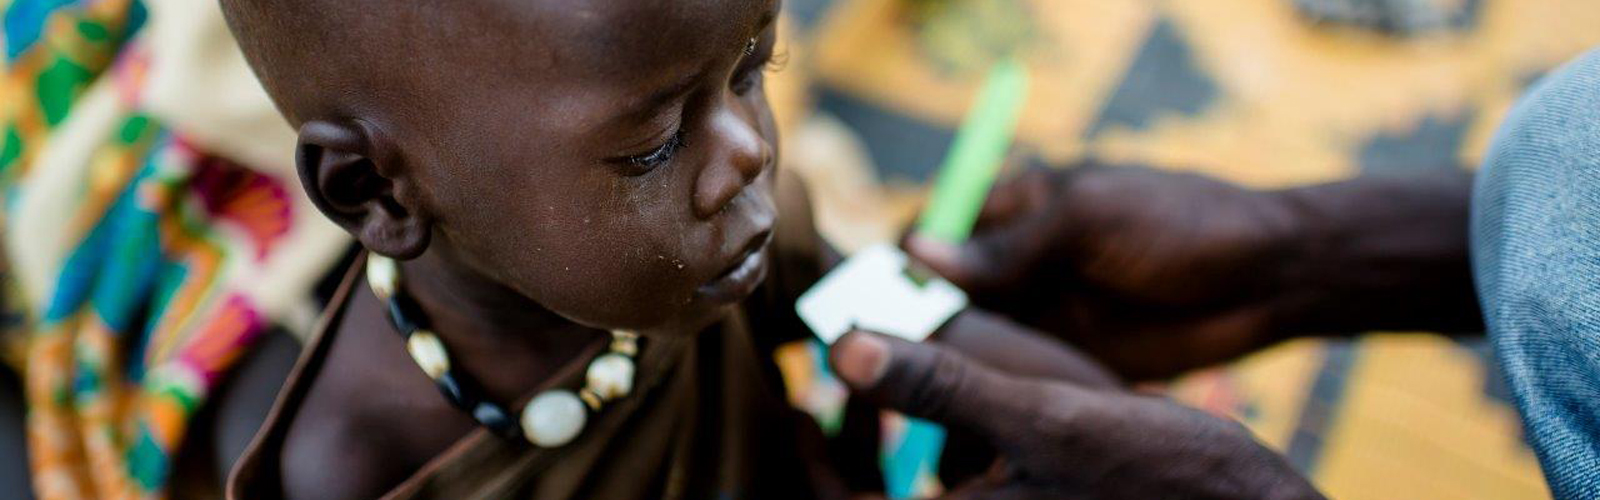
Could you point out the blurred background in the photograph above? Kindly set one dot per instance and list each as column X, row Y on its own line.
column 142, row 113
column 1267, row 93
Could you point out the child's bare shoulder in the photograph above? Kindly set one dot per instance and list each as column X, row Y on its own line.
column 365, row 424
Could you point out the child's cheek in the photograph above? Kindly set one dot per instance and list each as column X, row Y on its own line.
column 618, row 278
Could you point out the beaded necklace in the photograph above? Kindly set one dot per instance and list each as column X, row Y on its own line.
column 551, row 419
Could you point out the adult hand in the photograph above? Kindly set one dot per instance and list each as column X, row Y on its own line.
column 1152, row 272
column 1156, row 273
column 1058, row 440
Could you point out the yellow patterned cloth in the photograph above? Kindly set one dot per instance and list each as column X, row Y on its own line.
column 143, row 256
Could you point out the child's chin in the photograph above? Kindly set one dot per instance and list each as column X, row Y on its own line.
column 695, row 320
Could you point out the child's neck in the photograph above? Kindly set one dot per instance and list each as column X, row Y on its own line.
column 507, row 342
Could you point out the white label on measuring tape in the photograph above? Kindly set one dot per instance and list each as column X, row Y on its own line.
column 874, row 291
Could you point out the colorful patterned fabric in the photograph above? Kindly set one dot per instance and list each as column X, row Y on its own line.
column 142, row 265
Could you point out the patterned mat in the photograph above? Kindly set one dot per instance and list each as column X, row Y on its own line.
column 1264, row 92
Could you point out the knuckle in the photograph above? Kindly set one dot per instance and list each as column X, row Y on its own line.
column 1051, row 416
column 1001, row 259
column 934, row 391
column 991, row 253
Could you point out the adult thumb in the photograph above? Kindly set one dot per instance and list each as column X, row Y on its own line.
column 961, row 263
column 931, row 382
column 993, row 261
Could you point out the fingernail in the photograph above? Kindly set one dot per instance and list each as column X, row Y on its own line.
column 931, row 249
column 862, row 359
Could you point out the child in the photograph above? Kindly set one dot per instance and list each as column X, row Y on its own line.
column 582, row 201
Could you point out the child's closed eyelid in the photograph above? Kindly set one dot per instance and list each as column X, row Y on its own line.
column 657, row 157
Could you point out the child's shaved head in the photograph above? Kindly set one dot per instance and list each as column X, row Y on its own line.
column 608, row 159
column 315, row 55
column 287, row 43
column 328, row 54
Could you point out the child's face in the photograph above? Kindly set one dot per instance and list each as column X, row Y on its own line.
column 612, row 160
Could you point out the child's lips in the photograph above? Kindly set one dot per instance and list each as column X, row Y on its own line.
column 740, row 279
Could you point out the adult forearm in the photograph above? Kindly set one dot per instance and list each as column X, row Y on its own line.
column 1380, row 253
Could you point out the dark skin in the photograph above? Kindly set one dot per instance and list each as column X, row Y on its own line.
column 622, row 154
column 607, row 165
column 1158, row 273
column 1063, row 440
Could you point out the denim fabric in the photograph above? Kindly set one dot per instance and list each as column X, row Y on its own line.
column 1536, row 256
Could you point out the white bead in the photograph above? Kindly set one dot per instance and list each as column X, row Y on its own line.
column 553, row 418
column 610, row 376
column 429, row 353
column 383, row 275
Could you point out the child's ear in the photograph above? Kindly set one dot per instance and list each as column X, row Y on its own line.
column 343, row 168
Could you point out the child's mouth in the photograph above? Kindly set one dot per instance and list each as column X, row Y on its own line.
column 740, row 279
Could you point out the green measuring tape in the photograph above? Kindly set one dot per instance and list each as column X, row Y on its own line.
column 975, row 157
column 964, row 181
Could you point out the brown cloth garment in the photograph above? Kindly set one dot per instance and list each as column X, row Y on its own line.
column 708, row 417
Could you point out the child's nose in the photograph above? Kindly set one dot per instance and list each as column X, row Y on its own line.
column 738, row 155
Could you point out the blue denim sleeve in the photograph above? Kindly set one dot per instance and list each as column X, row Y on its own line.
column 1536, row 258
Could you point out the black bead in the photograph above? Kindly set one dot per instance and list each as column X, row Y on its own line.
column 401, row 323
column 452, row 390
column 461, row 391
column 495, row 418
column 405, row 314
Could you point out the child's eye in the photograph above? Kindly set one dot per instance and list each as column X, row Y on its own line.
column 659, row 156
column 747, row 79
column 750, row 73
